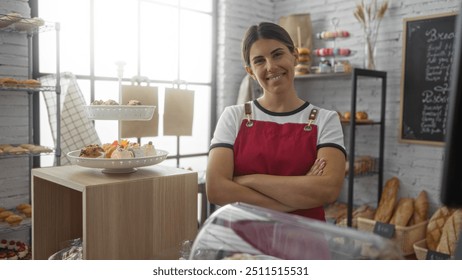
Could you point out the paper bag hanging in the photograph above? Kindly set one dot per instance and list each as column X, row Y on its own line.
column 147, row 95
column 178, row 112
column 298, row 24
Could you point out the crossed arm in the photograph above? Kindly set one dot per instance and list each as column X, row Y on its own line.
column 320, row 185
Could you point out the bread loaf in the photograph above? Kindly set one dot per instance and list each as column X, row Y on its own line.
column 450, row 233
column 403, row 212
column 420, row 208
column 387, row 201
column 435, row 226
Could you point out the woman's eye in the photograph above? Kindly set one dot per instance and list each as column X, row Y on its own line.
column 278, row 54
column 258, row 61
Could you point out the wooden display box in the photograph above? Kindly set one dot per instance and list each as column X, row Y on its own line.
column 142, row 215
column 405, row 237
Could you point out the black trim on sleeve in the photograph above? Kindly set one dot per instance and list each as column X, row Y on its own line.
column 333, row 145
column 221, row 145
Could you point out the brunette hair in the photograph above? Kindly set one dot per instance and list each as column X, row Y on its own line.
column 264, row 30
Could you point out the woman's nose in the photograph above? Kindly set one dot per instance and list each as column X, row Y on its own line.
column 270, row 64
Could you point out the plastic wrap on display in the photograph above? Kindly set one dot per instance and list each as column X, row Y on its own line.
column 243, row 231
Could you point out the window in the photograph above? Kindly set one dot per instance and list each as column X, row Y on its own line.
column 166, row 41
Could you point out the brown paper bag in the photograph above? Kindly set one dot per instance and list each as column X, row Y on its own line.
column 291, row 23
column 147, row 96
column 178, row 112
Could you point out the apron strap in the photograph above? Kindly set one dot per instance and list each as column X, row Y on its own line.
column 248, row 113
column 311, row 119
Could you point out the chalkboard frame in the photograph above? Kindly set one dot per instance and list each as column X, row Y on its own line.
column 403, row 138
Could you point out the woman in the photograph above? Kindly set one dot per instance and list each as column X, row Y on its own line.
column 279, row 151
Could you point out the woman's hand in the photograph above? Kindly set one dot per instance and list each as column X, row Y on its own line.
column 318, row 167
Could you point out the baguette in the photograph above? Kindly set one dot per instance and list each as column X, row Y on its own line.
column 450, row 233
column 387, row 201
column 404, row 211
column 435, row 226
column 420, row 208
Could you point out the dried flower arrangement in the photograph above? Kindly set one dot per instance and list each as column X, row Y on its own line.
column 369, row 16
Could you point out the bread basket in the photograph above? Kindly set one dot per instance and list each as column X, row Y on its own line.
column 420, row 249
column 405, row 237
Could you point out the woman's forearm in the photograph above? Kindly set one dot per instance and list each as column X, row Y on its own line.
column 302, row 192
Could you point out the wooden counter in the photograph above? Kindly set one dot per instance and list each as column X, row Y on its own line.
column 142, row 215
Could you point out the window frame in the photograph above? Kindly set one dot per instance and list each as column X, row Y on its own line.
column 92, row 78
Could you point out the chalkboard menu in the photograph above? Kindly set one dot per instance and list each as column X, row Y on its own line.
column 427, row 59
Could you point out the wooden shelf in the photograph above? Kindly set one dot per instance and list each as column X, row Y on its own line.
column 324, row 75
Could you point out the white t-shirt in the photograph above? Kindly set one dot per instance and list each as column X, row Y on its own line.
column 330, row 133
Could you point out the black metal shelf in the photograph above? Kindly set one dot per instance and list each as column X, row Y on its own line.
column 353, row 123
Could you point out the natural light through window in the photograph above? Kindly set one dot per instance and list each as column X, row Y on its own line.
column 166, row 41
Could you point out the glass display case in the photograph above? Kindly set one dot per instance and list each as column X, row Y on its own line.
column 243, row 231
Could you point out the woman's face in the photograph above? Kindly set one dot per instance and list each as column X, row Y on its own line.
column 272, row 65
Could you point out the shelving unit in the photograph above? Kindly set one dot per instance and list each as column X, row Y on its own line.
column 351, row 154
column 30, row 32
column 353, row 123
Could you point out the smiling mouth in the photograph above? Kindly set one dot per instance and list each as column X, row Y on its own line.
column 275, row 77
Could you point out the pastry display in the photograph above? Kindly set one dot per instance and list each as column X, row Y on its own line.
column 361, row 115
column 92, row 151
column 149, row 150
column 8, row 82
column 14, row 250
column 109, row 149
column 22, row 206
column 14, row 220
column 304, row 59
column 107, row 102
column 27, row 212
column 347, row 115
column 5, row 214
column 8, row 19
column 122, row 153
column 116, row 150
column 332, row 34
column 323, row 52
column 36, row 149
column 110, row 102
column 28, row 24
column 134, row 102
column 30, row 83
column 15, row 150
column 15, row 83
column 363, row 165
column 304, row 55
column 301, row 69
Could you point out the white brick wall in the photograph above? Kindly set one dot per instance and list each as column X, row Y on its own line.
column 417, row 166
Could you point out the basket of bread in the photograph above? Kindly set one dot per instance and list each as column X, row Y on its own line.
column 441, row 235
column 407, row 216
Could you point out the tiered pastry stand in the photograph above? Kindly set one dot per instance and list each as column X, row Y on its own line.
column 120, row 113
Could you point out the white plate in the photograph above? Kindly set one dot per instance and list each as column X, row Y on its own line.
column 120, row 112
column 108, row 165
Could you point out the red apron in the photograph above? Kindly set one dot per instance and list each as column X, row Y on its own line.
column 288, row 149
